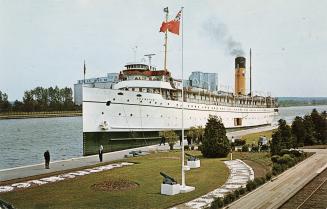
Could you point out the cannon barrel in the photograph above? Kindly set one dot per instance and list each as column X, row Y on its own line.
column 189, row 155
column 168, row 179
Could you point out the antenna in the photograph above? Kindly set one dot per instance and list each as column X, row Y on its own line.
column 250, row 72
column 150, row 57
column 134, row 50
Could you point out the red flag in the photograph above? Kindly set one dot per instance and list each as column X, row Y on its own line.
column 164, row 26
column 173, row 25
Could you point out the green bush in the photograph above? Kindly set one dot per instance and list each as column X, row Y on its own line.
column 242, row 190
column 215, row 142
column 268, row 176
column 296, row 153
column 284, row 151
column 255, row 149
column 200, row 147
column 251, row 185
column 275, row 158
column 285, row 159
column 257, row 181
column 245, row 148
column 217, row 203
column 276, row 169
column 230, row 197
column 236, row 194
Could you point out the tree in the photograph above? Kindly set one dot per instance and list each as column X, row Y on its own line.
column 215, row 142
column 29, row 102
column 4, row 103
column 282, row 138
column 309, row 138
column 170, row 136
column 298, row 131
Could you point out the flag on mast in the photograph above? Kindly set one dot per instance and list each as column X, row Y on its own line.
column 173, row 25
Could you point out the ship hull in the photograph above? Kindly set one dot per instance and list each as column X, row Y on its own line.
column 135, row 119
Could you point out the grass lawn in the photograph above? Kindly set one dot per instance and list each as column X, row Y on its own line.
column 260, row 162
column 77, row 192
column 254, row 137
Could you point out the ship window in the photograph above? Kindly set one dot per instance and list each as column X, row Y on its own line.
column 138, row 95
column 119, row 114
column 120, row 93
column 168, row 103
column 128, row 100
column 108, row 103
column 131, row 114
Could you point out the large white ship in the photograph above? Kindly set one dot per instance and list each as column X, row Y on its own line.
column 146, row 101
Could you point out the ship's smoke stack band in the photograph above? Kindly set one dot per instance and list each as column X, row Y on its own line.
column 239, row 62
column 240, row 76
column 220, row 33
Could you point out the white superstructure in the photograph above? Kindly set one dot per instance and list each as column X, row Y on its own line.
column 148, row 100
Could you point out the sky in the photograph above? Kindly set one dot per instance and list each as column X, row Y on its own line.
column 44, row 43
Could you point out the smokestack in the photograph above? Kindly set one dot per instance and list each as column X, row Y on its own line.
column 240, row 76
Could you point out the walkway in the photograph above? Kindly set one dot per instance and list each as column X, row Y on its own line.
column 274, row 194
column 240, row 174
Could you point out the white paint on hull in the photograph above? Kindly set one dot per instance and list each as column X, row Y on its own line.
column 151, row 112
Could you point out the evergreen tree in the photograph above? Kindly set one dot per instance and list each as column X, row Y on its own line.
column 282, row 138
column 215, row 142
column 309, row 138
column 298, row 131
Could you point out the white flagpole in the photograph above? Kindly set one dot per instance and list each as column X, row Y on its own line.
column 183, row 171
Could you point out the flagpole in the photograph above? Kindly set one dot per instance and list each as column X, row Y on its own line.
column 183, row 163
column 166, row 37
column 84, row 72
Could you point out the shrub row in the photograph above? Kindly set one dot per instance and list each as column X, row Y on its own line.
column 287, row 160
column 230, row 197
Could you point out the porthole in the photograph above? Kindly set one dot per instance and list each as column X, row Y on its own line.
column 119, row 114
column 120, row 93
column 128, row 100
column 131, row 114
column 114, row 99
column 108, row 103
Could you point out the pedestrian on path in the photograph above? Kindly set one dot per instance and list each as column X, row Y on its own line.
column 47, row 159
column 180, row 140
column 100, row 153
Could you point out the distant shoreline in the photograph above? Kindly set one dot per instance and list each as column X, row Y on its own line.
column 26, row 115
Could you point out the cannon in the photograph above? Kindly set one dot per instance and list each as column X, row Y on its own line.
column 191, row 157
column 167, row 179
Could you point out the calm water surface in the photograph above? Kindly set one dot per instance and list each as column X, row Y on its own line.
column 23, row 141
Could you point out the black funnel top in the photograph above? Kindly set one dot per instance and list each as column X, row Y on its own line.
column 240, row 62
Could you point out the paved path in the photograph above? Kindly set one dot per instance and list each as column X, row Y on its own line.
column 274, row 194
column 37, row 169
column 240, row 174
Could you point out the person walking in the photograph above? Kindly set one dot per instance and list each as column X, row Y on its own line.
column 47, row 159
column 163, row 140
column 100, row 153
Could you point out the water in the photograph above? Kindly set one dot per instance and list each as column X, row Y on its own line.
column 23, row 142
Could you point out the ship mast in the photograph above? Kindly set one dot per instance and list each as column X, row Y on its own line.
column 166, row 37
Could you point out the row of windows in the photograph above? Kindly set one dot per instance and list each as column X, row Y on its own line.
column 152, row 101
column 204, row 118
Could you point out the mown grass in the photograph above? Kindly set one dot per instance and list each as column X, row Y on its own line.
column 254, row 137
column 77, row 193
